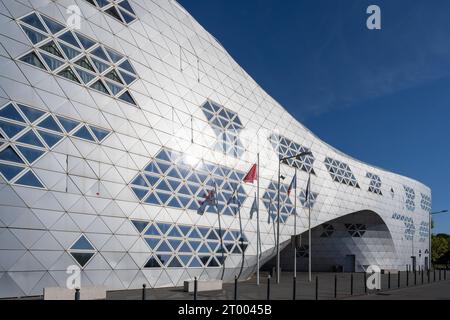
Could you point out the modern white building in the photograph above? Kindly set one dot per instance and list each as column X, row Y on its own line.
column 119, row 117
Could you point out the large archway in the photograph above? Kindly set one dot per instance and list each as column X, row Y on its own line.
column 350, row 243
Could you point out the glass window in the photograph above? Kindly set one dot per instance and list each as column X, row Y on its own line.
column 140, row 225
column 33, row 59
column 85, row 76
column 29, row 179
column 128, row 78
column 126, row 16
column 152, row 263
column 86, row 42
column 34, row 36
column 185, row 259
column 9, row 172
column 31, row 138
column 69, row 38
column 82, row 244
column 140, row 193
column 34, row 21
column 50, row 139
column 152, row 231
column 174, row 244
column 113, row 12
column 84, row 62
column 82, row 257
column 52, row 25
column 50, row 123
column 185, row 248
column 126, row 5
column 101, row 67
column 99, row 86
column 101, row 134
column 175, row 263
column 164, row 247
column 152, row 243
column 9, row 154
column 195, row 263
column 30, row 154
column 114, row 88
column 69, row 51
column 126, row 65
column 175, row 233
column 51, row 47
column 52, row 63
column 126, row 96
column 69, row 74
column 10, row 112
column 100, row 53
column 115, row 57
column 68, row 124
column 113, row 76
column 84, row 133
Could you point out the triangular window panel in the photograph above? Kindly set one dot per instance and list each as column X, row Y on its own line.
column 53, row 26
column 185, row 230
column 86, row 42
column 34, row 60
column 82, row 257
column 69, row 51
column 31, row 138
column 126, row 96
column 82, row 244
column 10, row 129
column 164, row 227
column 213, row 263
column 115, row 57
column 100, row 53
column 195, row 263
column 164, row 258
column 126, row 16
column 100, row 87
column 114, row 88
column 10, row 172
column 185, row 248
column 152, row 231
column 113, row 12
column 164, row 247
column 140, row 225
column 126, row 5
column 100, row 134
column 114, row 76
column 84, row 133
column 30, row 154
column 34, row 21
column 9, row 154
column 128, row 78
column 69, row 38
column 51, row 47
column 30, row 179
column 68, row 124
column 152, row 243
column 140, row 193
column 101, row 67
column 10, row 112
column 69, row 74
column 195, row 244
column 152, row 263
column 50, row 123
column 84, row 63
column 175, row 263
column 185, row 259
column 50, row 139
column 85, row 76
column 34, row 36
column 126, row 65
column 175, row 233
column 174, row 243
column 52, row 63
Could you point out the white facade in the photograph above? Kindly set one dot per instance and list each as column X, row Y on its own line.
column 112, row 134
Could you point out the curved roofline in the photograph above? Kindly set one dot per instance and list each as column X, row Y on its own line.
column 285, row 110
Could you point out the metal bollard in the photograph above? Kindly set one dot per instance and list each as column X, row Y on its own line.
column 422, row 275
column 195, row 289
column 440, row 275
column 415, row 277
column 434, row 275
column 268, row 287
column 143, row 291
column 365, row 283
column 317, row 287
column 351, row 284
column 389, row 280
column 235, row 288
column 445, row 274
column 407, row 278
column 398, row 279
column 77, row 294
column 335, row 286
column 428, row 275
column 294, row 289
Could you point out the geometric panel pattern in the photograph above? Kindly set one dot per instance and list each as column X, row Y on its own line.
column 425, row 202
column 410, row 228
column 118, row 9
column 328, row 230
column 410, row 197
column 375, row 183
column 27, row 134
column 180, row 246
column 176, row 180
column 308, row 203
column 71, row 55
column 227, row 126
column 424, row 231
column 270, row 199
column 82, row 251
column 288, row 148
column 356, row 230
column 341, row 172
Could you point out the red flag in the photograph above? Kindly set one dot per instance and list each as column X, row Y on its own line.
column 251, row 175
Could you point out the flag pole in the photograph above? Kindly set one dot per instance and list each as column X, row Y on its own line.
column 258, row 239
column 278, row 223
column 309, row 226
column 295, row 225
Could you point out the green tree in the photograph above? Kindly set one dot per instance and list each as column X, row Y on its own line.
column 439, row 247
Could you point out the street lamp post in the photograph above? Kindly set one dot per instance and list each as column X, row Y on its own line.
column 283, row 160
column 429, row 235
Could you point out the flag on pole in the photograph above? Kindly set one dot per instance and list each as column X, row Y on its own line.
column 307, row 192
column 252, row 175
column 293, row 185
column 210, row 200
column 254, row 208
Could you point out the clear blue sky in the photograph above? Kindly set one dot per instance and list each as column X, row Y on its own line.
column 380, row 96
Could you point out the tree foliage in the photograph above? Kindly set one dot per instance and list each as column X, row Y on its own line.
column 439, row 246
